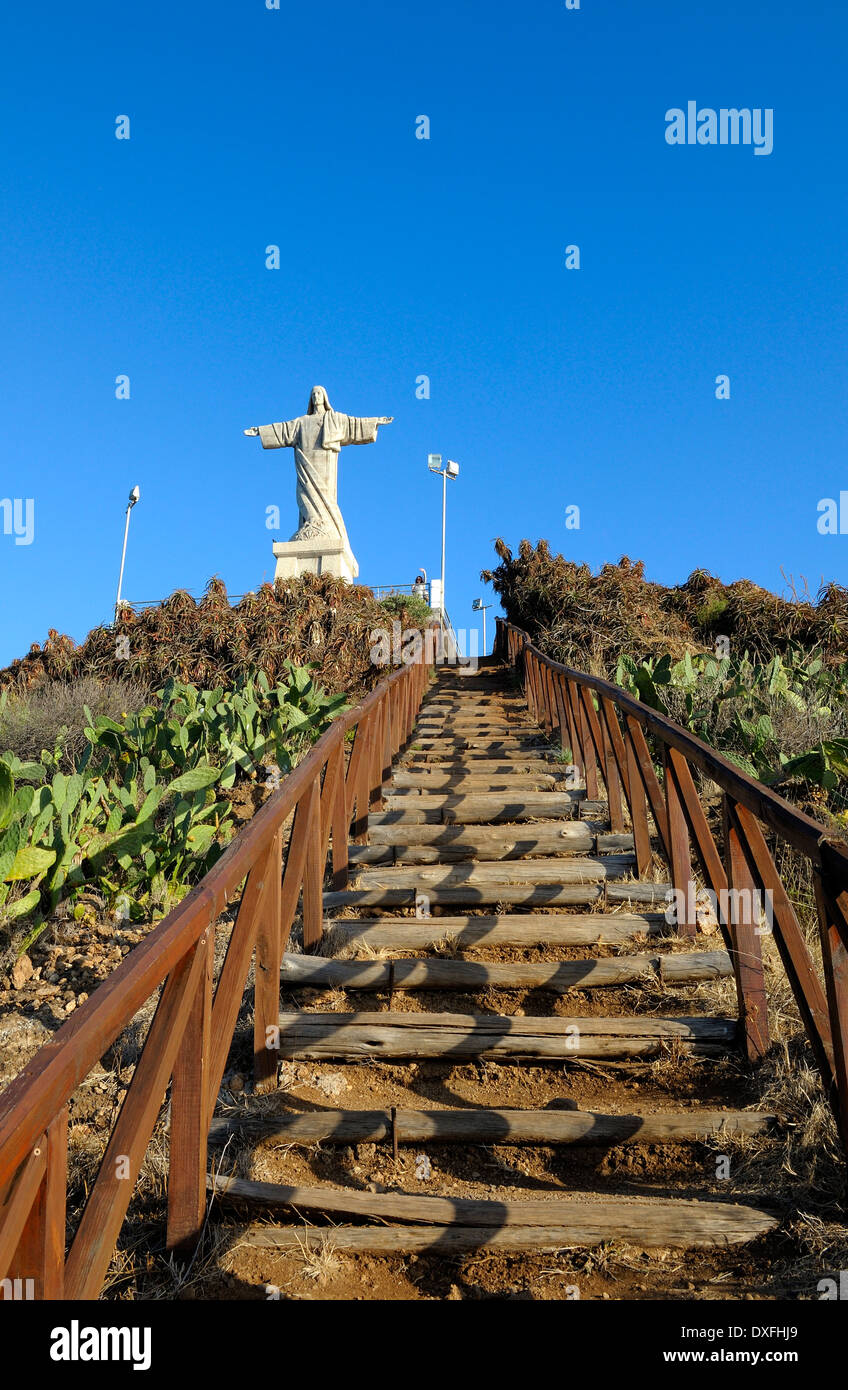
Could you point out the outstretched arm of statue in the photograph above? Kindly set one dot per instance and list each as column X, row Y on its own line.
column 385, row 419
column 279, row 436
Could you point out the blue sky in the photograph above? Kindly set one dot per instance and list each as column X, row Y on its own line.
column 401, row 257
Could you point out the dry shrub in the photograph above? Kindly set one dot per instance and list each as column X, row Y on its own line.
column 588, row 620
column 318, row 619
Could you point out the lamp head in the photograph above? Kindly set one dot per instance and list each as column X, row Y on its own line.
column 134, row 496
column 434, row 462
column 477, row 605
column 452, row 469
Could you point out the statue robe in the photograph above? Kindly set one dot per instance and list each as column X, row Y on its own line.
column 316, row 440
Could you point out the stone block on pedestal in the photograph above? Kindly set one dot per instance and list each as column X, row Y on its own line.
column 318, row 556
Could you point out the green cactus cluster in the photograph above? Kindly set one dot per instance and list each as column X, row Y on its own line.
column 146, row 811
column 732, row 704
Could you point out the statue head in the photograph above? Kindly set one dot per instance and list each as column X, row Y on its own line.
column 318, row 402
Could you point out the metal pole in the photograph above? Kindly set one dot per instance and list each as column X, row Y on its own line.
column 123, row 558
column 444, row 510
column 484, row 632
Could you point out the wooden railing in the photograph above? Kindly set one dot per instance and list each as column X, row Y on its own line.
column 646, row 762
column 189, row 1038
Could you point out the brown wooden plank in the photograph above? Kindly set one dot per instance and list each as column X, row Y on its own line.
column 403, row 1035
column 638, row 808
column 834, row 931
column 492, row 1126
column 339, row 819
column 313, row 907
column 490, row 932
column 650, row 782
column 558, row 977
column 230, row 988
column 269, row 950
column 39, row 1261
column 190, row 1112
column 746, row 943
column 16, row 1211
column 680, row 862
column 528, row 895
column 535, row 871
column 97, row 1232
column 791, row 944
column 673, row 1222
column 551, row 1211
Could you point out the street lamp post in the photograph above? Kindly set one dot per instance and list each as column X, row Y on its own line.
column 479, row 606
column 451, row 470
column 134, row 496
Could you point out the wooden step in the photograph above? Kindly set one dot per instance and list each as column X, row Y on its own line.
column 477, row 761
column 487, row 932
column 465, row 700
column 427, row 810
column 492, row 747
column 651, row 893
column 479, row 895
column 558, row 977
column 476, row 729
column 490, row 841
column 680, row 1222
column 482, row 766
column 485, row 807
column 434, row 779
column 554, row 1126
column 406, row 844
column 565, row 837
column 349, row 1036
column 471, row 874
column 662, row 1222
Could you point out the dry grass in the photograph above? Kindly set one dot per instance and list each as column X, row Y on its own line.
column 54, row 712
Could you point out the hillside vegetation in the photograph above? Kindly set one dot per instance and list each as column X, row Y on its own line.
column 760, row 677
column 587, row 620
column 321, row 621
column 127, row 762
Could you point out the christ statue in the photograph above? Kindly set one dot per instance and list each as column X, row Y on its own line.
column 316, row 438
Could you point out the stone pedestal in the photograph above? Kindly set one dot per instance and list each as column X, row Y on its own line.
column 314, row 557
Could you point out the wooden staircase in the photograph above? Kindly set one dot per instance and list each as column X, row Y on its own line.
column 485, row 845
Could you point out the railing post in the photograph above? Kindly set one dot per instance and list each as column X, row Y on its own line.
column 388, row 751
column 650, row 782
column 267, row 961
column 357, row 782
column 190, row 1113
column 680, row 860
column 638, row 807
column 566, row 733
column 40, row 1255
column 747, row 953
column 375, row 758
column 606, row 755
column 529, row 686
column 573, row 710
column 337, row 813
column 832, row 904
column 313, row 895
column 590, row 753
column 547, row 699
